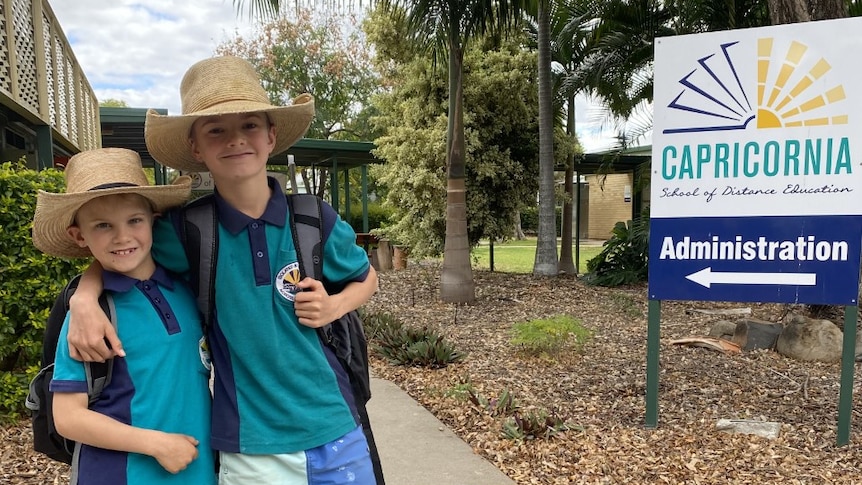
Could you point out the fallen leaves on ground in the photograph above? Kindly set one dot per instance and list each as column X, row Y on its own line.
column 599, row 391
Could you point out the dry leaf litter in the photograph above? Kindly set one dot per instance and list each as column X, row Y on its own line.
column 598, row 390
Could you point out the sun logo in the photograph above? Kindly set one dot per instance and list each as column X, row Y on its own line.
column 792, row 90
column 796, row 106
column 287, row 279
column 291, row 277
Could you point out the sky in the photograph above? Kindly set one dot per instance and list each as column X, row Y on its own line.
column 137, row 51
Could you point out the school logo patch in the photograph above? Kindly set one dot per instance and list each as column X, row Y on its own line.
column 204, row 352
column 286, row 280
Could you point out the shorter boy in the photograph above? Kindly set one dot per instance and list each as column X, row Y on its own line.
column 151, row 423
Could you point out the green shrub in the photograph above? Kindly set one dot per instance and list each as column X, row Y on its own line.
column 378, row 324
column 530, row 220
column 533, row 425
column 404, row 345
column 504, row 405
column 378, row 216
column 625, row 256
column 29, row 279
column 13, row 391
column 549, row 336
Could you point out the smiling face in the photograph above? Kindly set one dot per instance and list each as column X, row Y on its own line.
column 118, row 230
column 234, row 147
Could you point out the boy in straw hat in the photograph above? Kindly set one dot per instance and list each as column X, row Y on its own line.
column 133, row 434
column 283, row 410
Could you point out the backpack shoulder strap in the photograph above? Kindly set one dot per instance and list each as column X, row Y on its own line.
column 99, row 373
column 307, row 229
column 199, row 235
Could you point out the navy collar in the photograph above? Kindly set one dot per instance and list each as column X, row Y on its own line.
column 121, row 283
column 235, row 221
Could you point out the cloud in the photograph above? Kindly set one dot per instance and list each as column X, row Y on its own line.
column 138, row 52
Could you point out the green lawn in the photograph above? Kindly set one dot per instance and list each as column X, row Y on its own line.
column 519, row 256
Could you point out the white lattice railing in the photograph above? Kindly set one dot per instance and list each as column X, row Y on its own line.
column 39, row 72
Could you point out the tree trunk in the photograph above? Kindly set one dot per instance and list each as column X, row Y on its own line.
column 456, row 275
column 518, row 232
column 827, row 9
column 546, row 245
column 787, row 11
column 567, row 263
column 790, row 11
column 384, row 255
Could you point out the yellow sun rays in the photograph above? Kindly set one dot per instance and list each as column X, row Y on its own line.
column 292, row 276
column 796, row 106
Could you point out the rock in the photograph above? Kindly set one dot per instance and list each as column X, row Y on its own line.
column 766, row 429
column 722, row 329
column 810, row 340
column 751, row 334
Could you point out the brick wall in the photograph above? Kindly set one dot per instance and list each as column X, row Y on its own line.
column 607, row 203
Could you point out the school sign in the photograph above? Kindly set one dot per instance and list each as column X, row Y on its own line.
column 757, row 165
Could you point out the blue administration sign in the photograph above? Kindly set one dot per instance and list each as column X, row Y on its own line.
column 756, row 185
column 765, row 259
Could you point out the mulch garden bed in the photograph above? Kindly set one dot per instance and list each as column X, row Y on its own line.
column 598, row 390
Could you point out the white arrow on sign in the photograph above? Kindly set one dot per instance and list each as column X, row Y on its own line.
column 707, row 277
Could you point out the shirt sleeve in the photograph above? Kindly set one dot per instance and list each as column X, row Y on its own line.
column 343, row 260
column 167, row 248
column 69, row 374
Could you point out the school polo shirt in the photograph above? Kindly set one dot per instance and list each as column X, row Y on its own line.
column 161, row 384
column 275, row 389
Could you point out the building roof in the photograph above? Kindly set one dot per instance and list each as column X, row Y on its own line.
column 124, row 128
column 626, row 160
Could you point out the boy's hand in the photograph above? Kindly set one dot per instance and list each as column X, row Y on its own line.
column 174, row 452
column 314, row 307
column 89, row 328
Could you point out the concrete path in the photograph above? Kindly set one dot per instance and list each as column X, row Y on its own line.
column 417, row 449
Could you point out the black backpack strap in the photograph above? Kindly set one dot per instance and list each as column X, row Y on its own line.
column 307, row 229
column 199, row 236
column 345, row 336
column 306, row 226
column 99, row 373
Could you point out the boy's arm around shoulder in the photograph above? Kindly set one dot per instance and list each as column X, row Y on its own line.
column 89, row 327
column 76, row 422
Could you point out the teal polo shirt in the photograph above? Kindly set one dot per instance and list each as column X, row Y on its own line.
column 275, row 389
column 161, row 384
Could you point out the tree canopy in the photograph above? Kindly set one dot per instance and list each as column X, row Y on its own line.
column 322, row 55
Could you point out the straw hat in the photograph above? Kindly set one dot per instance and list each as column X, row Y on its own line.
column 219, row 86
column 91, row 174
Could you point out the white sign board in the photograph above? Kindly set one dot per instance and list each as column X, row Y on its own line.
column 756, row 183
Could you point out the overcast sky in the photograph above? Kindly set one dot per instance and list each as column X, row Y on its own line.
column 138, row 51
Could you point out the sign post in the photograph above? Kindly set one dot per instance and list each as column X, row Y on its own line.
column 756, row 186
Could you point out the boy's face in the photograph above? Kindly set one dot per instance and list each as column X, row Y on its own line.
column 234, row 147
column 118, row 230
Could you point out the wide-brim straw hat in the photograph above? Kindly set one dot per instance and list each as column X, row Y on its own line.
column 92, row 174
column 219, row 86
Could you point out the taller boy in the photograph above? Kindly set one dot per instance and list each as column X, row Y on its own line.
column 282, row 412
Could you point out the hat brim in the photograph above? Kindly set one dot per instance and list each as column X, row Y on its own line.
column 167, row 137
column 56, row 212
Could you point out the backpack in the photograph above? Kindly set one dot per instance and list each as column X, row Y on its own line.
column 198, row 230
column 46, row 439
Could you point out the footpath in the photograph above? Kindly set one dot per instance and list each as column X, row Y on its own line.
column 418, row 449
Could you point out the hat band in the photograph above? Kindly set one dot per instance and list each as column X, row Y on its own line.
column 113, row 186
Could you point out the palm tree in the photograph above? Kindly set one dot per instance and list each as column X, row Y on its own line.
column 447, row 26
column 546, row 246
